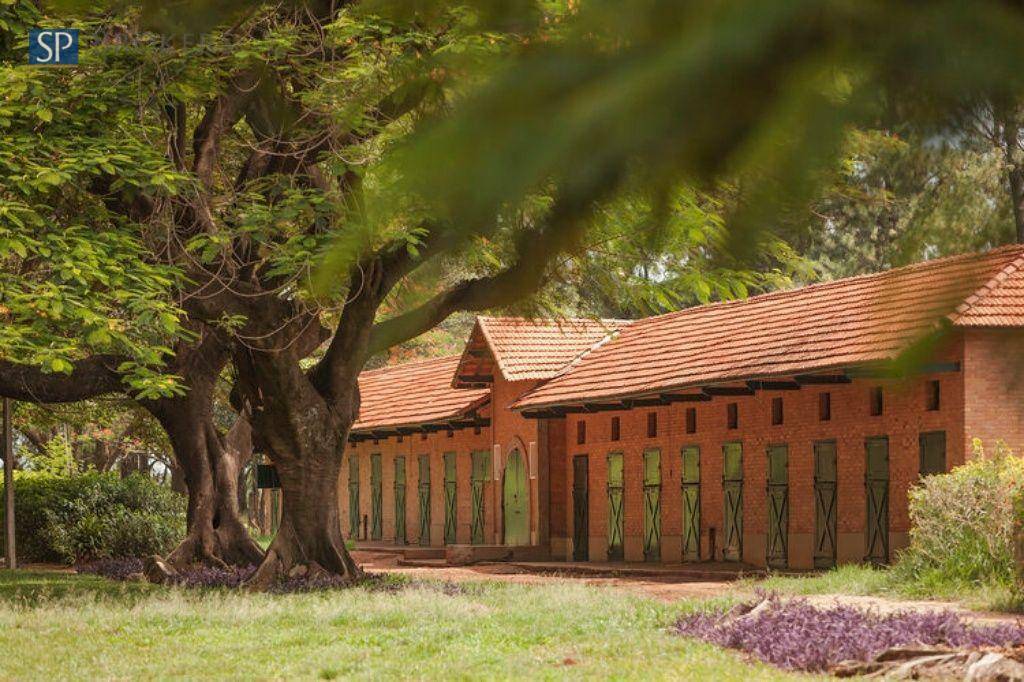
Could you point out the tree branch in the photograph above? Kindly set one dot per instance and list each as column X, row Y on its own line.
column 535, row 250
column 90, row 378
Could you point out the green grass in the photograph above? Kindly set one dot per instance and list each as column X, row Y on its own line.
column 867, row 580
column 65, row 626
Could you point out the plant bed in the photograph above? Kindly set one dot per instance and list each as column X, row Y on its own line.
column 794, row 635
column 132, row 569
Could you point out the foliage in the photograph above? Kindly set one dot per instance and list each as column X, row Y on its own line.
column 962, row 523
column 78, row 280
column 55, row 458
column 94, row 515
column 66, row 625
column 757, row 93
column 100, row 433
column 794, row 635
column 899, row 196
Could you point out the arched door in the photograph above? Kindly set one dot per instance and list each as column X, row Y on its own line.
column 515, row 503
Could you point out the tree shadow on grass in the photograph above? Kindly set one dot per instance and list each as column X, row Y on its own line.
column 31, row 587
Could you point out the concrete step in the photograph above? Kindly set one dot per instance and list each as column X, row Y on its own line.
column 419, row 553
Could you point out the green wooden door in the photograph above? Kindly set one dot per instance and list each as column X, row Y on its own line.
column 933, row 453
column 515, row 503
column 616, row 527
column 825, row 512
column 691, row 502
column 353, row 496
column 376, row 498
column 876, row 483
column 479, row 474
column 424, row 499
column 450, row 490
column 777, row 546
column 580, row 508
column 400, row 534
column 652, row 505
column 732, row 494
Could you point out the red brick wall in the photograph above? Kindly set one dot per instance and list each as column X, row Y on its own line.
column 512, row 430
column 994, row 380
column 463, row 443
column 559, row 493
column 904, row 418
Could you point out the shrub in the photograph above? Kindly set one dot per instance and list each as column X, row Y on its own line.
column 798, row 636
column 962, row 523
column 94, row 515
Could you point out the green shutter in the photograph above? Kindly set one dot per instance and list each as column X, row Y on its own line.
column 450, row 489
column 825, row 511
column 376, row 498
column 424, row 495
column 615, row 510
column 691, row 502
column 933, row 453
column 732, row 493
column 480, row 473
column 652, row 504
column 876, row 484
column 400, row 535
column 353, row 496
column 778, row 506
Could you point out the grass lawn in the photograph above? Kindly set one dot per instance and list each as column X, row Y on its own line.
column 64, row 625
column 861, row 579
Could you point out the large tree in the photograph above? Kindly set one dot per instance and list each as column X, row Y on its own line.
column 239, row 160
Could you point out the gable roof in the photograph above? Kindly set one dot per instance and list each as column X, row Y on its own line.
column 824, row 326
column 413, row 393
column 998, row 303
column 524, row 349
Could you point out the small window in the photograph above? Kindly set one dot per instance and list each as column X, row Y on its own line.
column 451, row 433
column 776, row 411
column 581, row 432
column 376, row 441
column 476, row 430
column 933, row 399
column 652, row 424
column 615, row 428
column 400, row 438
column 732, row 416
column 825, row 406
column 691, row 420
column 877, row 404
column 423, row 436
column 933, row 453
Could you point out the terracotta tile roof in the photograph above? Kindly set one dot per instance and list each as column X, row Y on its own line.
column 413, row 393
column 529, row 349
column 999, row 303
column 824, row 326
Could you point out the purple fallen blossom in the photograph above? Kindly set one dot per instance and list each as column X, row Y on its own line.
column 797, row 636
column 211, row 576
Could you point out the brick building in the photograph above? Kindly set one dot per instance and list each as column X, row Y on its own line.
column 784, row 429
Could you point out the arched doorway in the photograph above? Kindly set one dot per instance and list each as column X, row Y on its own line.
column 515, row 502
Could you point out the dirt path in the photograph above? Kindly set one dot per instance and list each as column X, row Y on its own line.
column 664, row 589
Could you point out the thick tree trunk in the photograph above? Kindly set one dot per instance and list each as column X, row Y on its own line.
column 216, row 534
column 309, row 540
column 304, row 438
